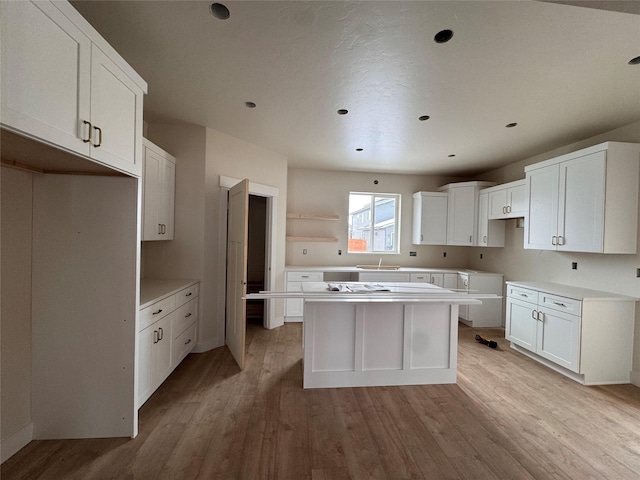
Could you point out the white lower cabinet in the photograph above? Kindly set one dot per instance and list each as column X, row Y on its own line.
column 166, row 334
column 489, row 314
column 585, row 334
column 294, row 307
column 444, row 280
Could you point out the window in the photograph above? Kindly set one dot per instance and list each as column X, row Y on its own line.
column 374, row 222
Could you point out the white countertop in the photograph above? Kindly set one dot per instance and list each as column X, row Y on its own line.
column 398, row 292
column 577, row 293
column 353, row 268
column 152, row 290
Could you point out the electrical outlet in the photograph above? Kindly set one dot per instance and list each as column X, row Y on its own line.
column 339, row 252
column 574, row 265
column 413, row 254
column 444, row 254
column 480, row 256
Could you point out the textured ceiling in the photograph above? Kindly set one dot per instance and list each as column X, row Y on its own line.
column 561, row 72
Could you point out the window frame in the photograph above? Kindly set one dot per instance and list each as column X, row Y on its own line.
column 395, row 221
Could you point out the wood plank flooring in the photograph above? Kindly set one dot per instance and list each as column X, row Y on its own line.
column 506, row 418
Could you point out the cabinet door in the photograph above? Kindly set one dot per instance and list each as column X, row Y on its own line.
column 430, row 218
column 46, row 68
column 163, row 350
column 167, row 198
column 294, row 307
column 558, row 338
column 581, row 204
column 146, row 386
column 497, row 203
column 463, row 286
column 461, row 216
column 151, row 229
column 541, row 223
column 116, row 115
column 521, row 324
column 450, row 281
column 517, row 201
column 483, row 219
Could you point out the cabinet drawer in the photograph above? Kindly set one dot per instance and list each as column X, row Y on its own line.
column 183, row 344
column 189, row 293
column 562, row 304
column 185, row 316
column 304, row 276
column 156, row 311
column 421, row 277
column 523, row 294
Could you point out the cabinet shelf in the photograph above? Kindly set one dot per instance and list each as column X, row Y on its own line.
column 311, row 216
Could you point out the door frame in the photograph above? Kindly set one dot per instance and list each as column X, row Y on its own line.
column 271, row 194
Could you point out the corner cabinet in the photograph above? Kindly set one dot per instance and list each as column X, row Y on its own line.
column 508, row 200
column 167, row 331
column 158, row 193
column 462, row 212
column 585, row 201
column 429, row 218
column 586, row 335
column 67, row 86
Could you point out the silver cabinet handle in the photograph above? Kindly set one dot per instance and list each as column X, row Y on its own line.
column 534, row 314
column 161, row 333
column 156, row 313
column 523, row 295
column 155, row 337
column 470, row 238
column 554, row 240
column 560, row 240
column 159, row 229
column 560, row 304
column 87, row 140
column 187, row 315
column 189, row 294
column 99, row 137
column 421, row 237
column 508, row 208
column 504, row 209
column 187, row 342
column 540, row 316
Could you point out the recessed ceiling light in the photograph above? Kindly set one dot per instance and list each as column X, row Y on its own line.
column 359, row 149
column 219, row 11
column 343, row 111
column 443, row 36
column 511, row 125
column 452, row 155
column 423, row 118
column 634, row 61
column 249, row 104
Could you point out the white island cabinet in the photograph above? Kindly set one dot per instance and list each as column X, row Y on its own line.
column 586, row 335
column 585, row 201
column 64, row 85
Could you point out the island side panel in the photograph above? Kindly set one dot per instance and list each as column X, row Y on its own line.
column 360, row 344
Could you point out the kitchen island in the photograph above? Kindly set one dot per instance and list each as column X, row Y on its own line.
column 379, row 334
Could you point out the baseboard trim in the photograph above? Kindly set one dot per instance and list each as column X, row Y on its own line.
column 12, row 445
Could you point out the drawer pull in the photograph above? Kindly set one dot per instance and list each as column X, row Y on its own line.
column 155, row 336
column 187, row 315
column 523, row 295
column 560, row 304
column 305, row 276
column 187, row 342
column 534, row 314
column 156, row 313
column 189, row 294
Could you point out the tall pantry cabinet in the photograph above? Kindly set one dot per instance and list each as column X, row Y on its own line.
column 71, row 118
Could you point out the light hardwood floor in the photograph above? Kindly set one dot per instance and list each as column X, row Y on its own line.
column 506, row 418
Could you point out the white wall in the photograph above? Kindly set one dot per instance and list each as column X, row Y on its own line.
column 613, row 273
column 327, row 192
column 15, row 301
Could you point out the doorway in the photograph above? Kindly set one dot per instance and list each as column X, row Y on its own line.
column 256, row 257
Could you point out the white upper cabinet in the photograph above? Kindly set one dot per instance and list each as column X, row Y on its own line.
column 158, row 193
column 64, row 85
column 429, row 218
column 508, row 200
column 490, row 232
column 463, row 200
column 586, row 201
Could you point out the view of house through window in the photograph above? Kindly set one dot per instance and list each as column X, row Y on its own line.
column 374, row 222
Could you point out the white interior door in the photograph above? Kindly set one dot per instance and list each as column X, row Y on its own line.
column 237, row 237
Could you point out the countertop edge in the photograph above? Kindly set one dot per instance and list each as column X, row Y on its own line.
column 153, row 290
